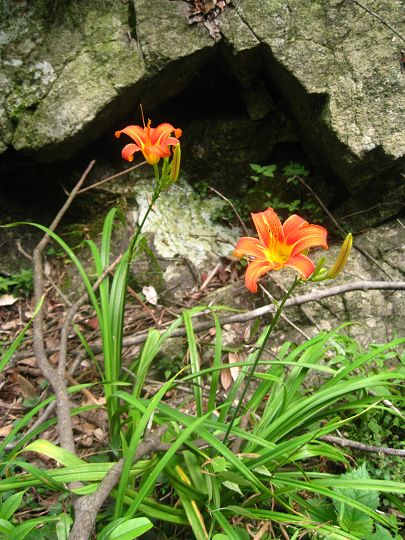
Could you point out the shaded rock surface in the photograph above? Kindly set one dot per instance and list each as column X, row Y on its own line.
column 375, row 316
column 326, row 73
column 184, row 236
column 187, row 241
column 323, row 76
column 336, row 66
column 182, row 224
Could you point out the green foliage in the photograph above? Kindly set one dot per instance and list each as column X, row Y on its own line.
column 293, row 170
column 225, row 461
column 290, row 175
column 281, row 190
column 349, row 518
column 266, row 170
column 19, row 284
column 125, row 529
column 7, row 353
column 10, row 530
column 379, row 428
column 277, row 458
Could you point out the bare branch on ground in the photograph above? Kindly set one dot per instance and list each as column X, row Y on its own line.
column 246, row 316
column 341, row 441
column 87, row 507
column 314, row 296
column 56, row 377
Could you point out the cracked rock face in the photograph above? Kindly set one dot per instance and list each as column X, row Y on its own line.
column 182, row 224
column 337, row 67
column 63, row 64
column 375, row 316
column 346, row 54
column 71, row 70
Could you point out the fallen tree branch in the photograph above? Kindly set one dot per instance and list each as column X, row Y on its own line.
column 87, row 507
column 250, row 315
column 340, row 441
column 56, row 377
column 105, row 180
column 314, row 296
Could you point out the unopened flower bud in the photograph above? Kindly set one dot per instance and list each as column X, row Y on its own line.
column 341, row 258
column 175, row 164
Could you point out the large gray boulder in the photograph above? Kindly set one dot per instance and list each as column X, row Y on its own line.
column 327, row 73
column 70, row 69
column 337, row 66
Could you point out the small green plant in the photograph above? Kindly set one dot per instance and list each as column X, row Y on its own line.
column 271, row 187
column 355, row 521
column 210, row 486
column 10, row 528
column 292, row 170
column 291, row 173
column 266, row 170
column 19, row 284
column 380, row 429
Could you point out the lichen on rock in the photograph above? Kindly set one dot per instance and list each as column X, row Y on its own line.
column 182, row 224
column 64, row 65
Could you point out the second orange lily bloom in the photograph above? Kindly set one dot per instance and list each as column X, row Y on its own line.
column 279, row 245
column 154, row 143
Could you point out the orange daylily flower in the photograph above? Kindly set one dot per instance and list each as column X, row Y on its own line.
column 279, row 245
column 154, row 143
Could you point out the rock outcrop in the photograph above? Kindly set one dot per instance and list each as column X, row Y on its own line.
column 70, row 69
column 327, row 73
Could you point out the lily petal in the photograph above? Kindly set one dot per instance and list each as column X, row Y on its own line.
column 301, row 264
column 254, row 270
column 291, row 224
column 154, row 143
column 279, row 246
column 129, row 150
column 172, row 140
column 248, row 246
column 267, row 224
column 160, row 133
column 136, row 133
column 307, row 237
column 160, row 151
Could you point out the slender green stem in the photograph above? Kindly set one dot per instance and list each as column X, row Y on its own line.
column 155, row 197
column 118, row 320
column 259, row 353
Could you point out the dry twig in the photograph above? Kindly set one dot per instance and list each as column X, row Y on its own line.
column 55, row 376
column 87, row 507
column 341, row 441
column 339, row 227
column 101, row 182
column 233, row 208
column 314, row 296
column 246, row 316
column 377, row 16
